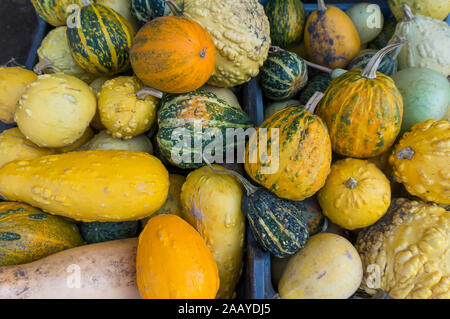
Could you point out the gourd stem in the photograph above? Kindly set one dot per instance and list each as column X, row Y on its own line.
column 42, row 65
column 398, row 39
column 313, row 102
column 370, row 71
column 406, row 153
column 143, row 93
column 351, row 183
column 174, row 8
column 318, row 67
column 249, row 188
column 86, row 2
column 321, row 5
column 408, row 13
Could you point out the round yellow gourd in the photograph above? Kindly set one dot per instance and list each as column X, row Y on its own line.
column 223, row 93
column 121, row 112
column 54, row 56
column 104, row 141
column 356, row 194
column 14, row 145
column 328, row 267
column 55, row 110
column 86, row 137
column 13, row 81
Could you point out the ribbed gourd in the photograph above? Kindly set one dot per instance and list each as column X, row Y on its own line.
column 101, row 41
column 283, row 75
column 363, row 110
column 293, row 135
column 406, row 252
column 56, row 12
column 28, row 234
column 421, row 161
column 146, row 10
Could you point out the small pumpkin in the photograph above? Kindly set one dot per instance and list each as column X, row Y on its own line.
column 104, row 141
column 287, row 21
column 356, row 194
column 363, row 110
column 173, row 54
column 28, row 234
column 274, row 107
column 437, row 9
column 421, row 160
column 283, row 75
column 368, row 20
column 330, row 38
column 183, row 269
column 97, row 232
column 123, row 111
column 55, row 12
column 146, row 10
column 13, row 82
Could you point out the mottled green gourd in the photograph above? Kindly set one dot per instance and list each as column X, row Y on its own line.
column 96, row 232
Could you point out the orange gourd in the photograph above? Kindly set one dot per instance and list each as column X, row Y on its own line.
column 173, row 54
column 173, row 261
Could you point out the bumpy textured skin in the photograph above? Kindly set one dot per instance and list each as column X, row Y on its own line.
column 187, row 111
column 428, row 44
column 90, row 185
column 318, row 82
column 101, row 44
column 302, row 136
column 124, row 8
column 437, row 9
column 283, row 74
column 14, row 145
column 27, row 234
column 385, row 35
column 223, row 93
column 55, row 110
column 86, row 137
column 368, row 20
column 107, row 270
column 312, row 213
column 388, row 65
column 426, row 175
column 241, row 34
column 274, row 107
column 358, row 207
column 173, row 261
column 211, row 203
column 55, row 12
column 426, row 95
column 13, row 81
column 287, row 20
column 173, row 55
column 331, row 38
column 363, row 115
column 146, row 10
column 121, row 112
column 97, row 232
column 104, row 141
column 275, row 223
column 410, row 247
column 328, row 267
column 55, row 49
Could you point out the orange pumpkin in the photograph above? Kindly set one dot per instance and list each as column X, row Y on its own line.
column 173, row 54
column 173, row 261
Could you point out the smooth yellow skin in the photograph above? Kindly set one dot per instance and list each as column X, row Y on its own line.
column 13, row 145
column 13, row 81
column 90, row 185
column 86, row 137
column 104, row 141
column 211, row 202
column 55, row 110
column 328, row 267
column 358, row 207
column 123, row 115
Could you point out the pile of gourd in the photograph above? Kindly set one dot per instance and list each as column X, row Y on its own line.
column 358, row 202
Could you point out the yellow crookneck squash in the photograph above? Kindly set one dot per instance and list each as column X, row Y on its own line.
column 363, row 110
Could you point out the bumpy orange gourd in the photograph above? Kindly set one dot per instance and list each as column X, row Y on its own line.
column 173, row 54
column 363, row 110
column 173, row 261
column 89, row 186
column 300, row 160
column 355, row 195
column 331, row 38
column 421, row 161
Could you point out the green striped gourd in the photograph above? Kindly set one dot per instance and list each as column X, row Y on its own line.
column 188, row 112
column 101, row 43
column 146, row 10
column 287, row 21
column 55, row 12
column 283, row 74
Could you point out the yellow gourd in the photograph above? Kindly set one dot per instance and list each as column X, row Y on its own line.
column 13, row 81
column 356, row 194
column 121, row 111
column 86, row 137
column 173, row 261
column 55, row 110
column 211, row 202
column 90, row 185
column 13, row 145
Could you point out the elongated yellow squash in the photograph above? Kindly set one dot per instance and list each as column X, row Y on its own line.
column 89, row 186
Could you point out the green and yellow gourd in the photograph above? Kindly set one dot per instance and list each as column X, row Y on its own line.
column 287, row 20
column 28, row 234
column 100, row 45
column 283, row 74
column 55, row 12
